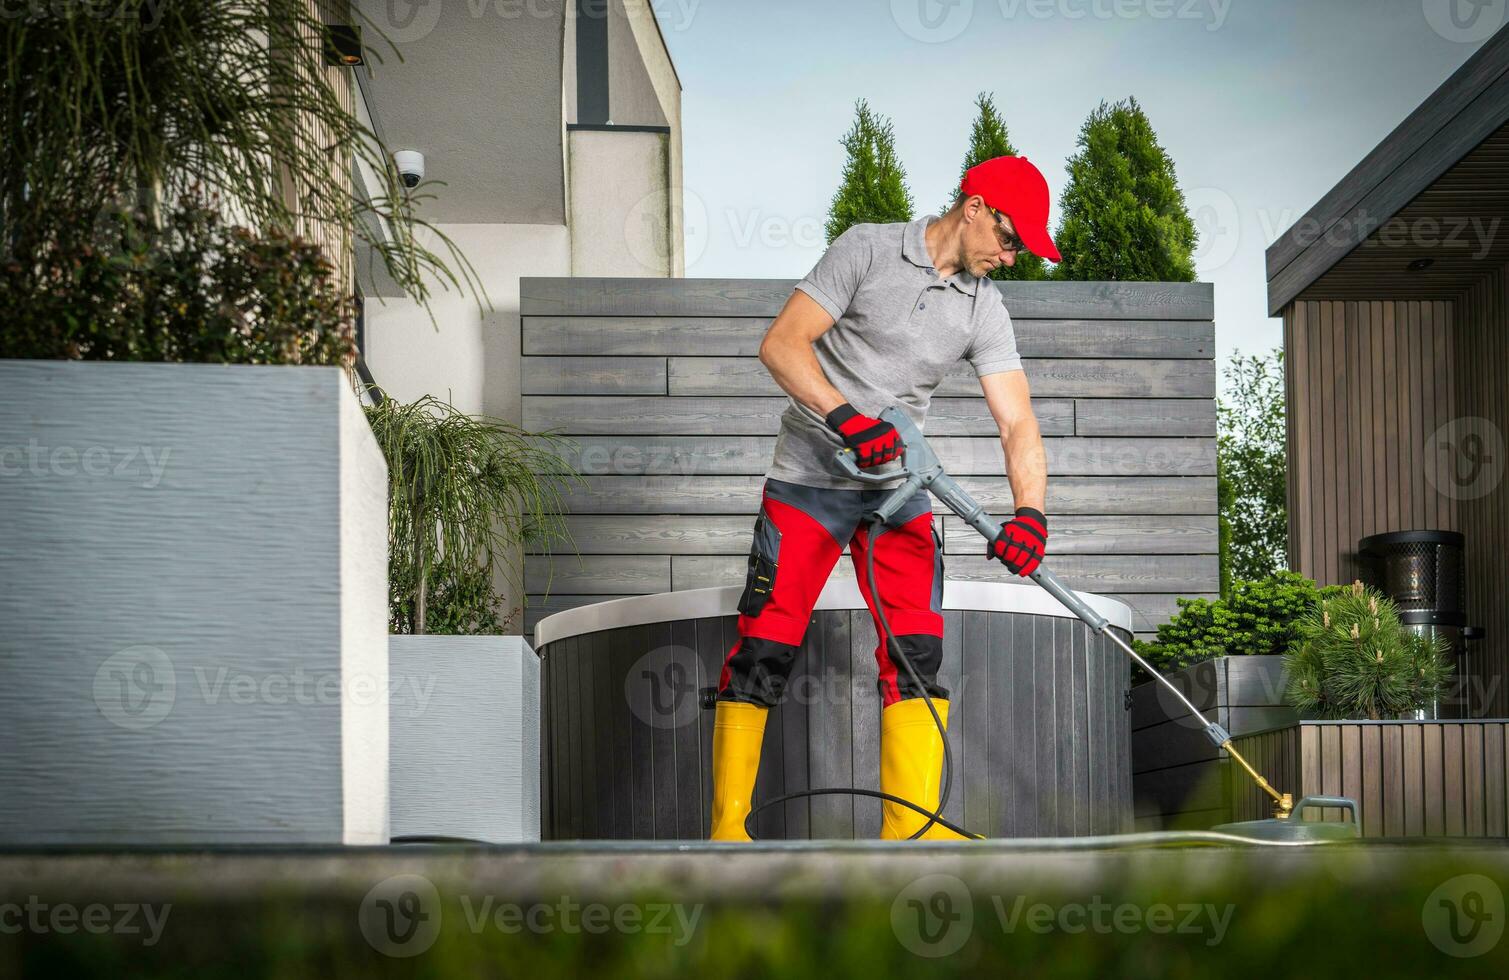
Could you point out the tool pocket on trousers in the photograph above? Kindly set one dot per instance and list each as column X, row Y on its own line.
column 764, row 552
column 937, row 596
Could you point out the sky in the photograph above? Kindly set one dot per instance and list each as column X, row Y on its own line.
column 1263, row 105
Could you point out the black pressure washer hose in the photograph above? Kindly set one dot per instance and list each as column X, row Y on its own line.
column 933, row 816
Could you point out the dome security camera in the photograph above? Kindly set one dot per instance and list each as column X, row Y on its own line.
column 410, row 164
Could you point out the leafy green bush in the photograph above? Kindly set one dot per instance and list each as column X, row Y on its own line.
column 1257, row 617
column 1353, row 659
column 193, row 290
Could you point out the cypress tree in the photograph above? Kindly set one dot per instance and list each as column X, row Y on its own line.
column 1124, row 217
column 988, row 139
column 874, row 185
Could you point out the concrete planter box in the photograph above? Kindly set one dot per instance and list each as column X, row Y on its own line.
column 1409, row 778
column 1178, row 777
column 465, row 738
column 193, row 581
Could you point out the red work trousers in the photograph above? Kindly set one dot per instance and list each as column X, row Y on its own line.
column 798, row 537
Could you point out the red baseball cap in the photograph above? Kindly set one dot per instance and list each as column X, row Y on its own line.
column 1013, row 186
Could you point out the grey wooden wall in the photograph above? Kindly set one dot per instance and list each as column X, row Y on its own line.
column 674, row 417
column 1382, row 398
column 1409, row 778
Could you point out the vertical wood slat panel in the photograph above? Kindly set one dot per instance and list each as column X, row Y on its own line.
column 1479, row 392
column 1390, row 408
column 1315, row 531
column 1474, row 780
column 1393, row 782
column 1371, row 800
column 1495, row 801
column 1341, row 459
column 1299, row 440
column 1365, row 414
column 1431, row 769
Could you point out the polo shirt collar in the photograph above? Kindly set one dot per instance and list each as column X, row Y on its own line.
column 914, row 250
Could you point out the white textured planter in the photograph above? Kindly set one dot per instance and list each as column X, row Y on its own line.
column 193, row 582
column 465, row 738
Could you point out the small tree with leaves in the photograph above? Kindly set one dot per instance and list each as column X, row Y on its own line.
column 1352, row 659
column 1124, row 217
column 1252, row 468
column 874, row 184
column 987, row 140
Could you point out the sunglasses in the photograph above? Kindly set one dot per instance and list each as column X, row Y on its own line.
column 1009, row 242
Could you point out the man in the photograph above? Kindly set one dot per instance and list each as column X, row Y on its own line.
column 886, row 313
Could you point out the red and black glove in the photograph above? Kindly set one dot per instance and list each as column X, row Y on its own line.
column 1022, row 541
column 874, row 442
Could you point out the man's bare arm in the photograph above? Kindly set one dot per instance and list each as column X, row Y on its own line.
column 1010, row 402
column 787, row 353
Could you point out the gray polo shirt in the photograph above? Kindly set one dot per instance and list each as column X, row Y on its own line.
column 898, row 330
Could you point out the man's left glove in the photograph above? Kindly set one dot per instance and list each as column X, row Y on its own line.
column 1022, row 541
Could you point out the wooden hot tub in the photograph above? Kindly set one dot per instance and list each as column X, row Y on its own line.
column 1040, row 731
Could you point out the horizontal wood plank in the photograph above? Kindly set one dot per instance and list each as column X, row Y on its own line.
column 741, row 495
column 1160, row 535
column 1090, row 573
column 699, row 456
column 1141, row 416
column 597, row 574
column 725, row 336
column 592, row 376
column 661, row 415
column 599, row 296
column 1049, row 377
column 612, row 534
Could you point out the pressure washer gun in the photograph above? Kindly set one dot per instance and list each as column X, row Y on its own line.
column 923, row 471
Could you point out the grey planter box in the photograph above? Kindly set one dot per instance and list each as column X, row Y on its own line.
column 465, row 738
column 1178, row 776
column 193, row 582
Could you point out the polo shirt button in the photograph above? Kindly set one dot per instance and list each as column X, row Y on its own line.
column 921, row 306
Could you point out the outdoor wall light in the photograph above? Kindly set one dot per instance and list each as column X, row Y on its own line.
column 1420, row 265
column 343, row 45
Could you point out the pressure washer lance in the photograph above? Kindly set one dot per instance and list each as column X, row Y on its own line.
column 924, row 471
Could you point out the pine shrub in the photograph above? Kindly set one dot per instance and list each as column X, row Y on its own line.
column 1352, row 658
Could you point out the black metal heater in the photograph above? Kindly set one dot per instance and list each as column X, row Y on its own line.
column 1421, row 571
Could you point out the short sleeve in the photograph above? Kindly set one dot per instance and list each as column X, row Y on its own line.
column 994, row 347
column 836, row 277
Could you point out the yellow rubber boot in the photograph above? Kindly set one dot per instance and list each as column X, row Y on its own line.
column 911, row 767
column 738, row 732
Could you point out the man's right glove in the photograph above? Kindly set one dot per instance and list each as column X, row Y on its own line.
column 1022, row 541
column 874, row 442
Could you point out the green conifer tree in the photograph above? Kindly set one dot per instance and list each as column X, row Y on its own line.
column 988, row 139
column 874, row 184
column 1124, row 217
